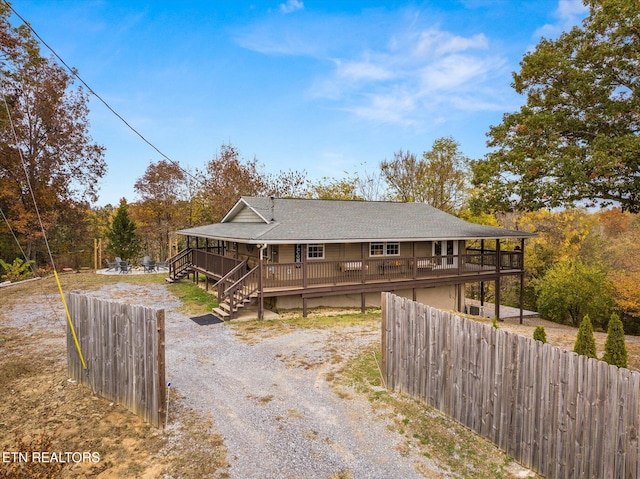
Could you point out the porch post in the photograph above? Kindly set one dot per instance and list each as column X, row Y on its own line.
column 304, row 254
column 195, row 273
column 363, row 271
column 497, row 295
column 521, row 280
column 482, row 266
column 415, row 266
column 260, row 293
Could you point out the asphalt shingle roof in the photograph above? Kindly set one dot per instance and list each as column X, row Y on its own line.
column 338, row 221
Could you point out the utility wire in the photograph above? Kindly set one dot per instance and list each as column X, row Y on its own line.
column 31, row 267
column 44, row 234
column 74, row 72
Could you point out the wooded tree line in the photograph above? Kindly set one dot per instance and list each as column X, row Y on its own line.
column 571, row 148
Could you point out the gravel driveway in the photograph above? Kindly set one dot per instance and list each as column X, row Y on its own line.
column 271, row 400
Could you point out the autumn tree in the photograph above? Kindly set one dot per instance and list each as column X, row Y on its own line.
column 576, row 140
column 123, row 241
column 570, row 289
column 335, row 189
column 163, row 207
column 622, row 233
column 44, row 133
column 437, row 178
column 228, row 176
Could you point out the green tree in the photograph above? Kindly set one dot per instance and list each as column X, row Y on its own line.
column 577, row 137
column 570, row 289
column 123, row 241
column 539, row 334
column 586, row 341
column 615, row 350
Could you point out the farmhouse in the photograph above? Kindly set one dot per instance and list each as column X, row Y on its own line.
column 301, row 253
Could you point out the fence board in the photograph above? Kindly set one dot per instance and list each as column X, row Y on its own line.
column 123, row 347
column 561, row 414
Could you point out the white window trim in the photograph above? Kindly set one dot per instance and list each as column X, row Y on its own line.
column 315, row 257
column 384, row 249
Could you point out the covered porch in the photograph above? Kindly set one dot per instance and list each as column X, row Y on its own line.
column 237, row 281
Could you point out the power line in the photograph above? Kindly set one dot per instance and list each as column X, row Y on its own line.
column 74, row 72
column 44, row 234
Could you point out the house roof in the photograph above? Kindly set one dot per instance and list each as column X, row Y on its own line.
column 260, row 220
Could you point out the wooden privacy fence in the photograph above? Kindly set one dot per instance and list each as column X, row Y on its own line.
column 558, row 413
column 123, row 347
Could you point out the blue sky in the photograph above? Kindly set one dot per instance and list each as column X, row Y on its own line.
column 323, row 86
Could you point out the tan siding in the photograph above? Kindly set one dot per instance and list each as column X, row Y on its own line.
column 246, row 215
column 443, row 296
column 423, row 248
column 285, row 254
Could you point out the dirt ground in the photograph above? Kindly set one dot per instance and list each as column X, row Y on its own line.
column 87, row 436
column 81, row 434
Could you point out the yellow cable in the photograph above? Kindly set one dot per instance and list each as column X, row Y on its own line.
column 73, row 331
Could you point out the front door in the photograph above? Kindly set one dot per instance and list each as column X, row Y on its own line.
column 445, row 252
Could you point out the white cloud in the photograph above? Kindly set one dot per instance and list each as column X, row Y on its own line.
column 403, row 69
column 568, row 14
column 436, row 42
column 291, row 6
column 414, row 75
column 362, row 71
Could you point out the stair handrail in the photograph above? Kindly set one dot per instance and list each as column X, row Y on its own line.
column 240, row 284
column 228, row 278
column 179, row 262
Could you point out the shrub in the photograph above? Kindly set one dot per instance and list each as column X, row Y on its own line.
column 586, row 341
column 539, row 334
column 615, row 350
column 17, row 270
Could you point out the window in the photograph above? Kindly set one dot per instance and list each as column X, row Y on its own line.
column 376, row 249
column 384, row 249
column 315, row 251
column 393, row 249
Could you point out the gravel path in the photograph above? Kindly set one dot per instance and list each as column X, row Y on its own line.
column 274, row 407
column 271, row 400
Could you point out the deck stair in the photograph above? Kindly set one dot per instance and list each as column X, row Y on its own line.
column 180, row 265
column 226, row 311
column 236, row 291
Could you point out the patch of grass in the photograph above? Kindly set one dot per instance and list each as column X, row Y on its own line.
column 450, row 445
column 253, row 331
column 195, row 300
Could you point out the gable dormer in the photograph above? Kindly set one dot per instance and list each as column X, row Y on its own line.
column 242, row 212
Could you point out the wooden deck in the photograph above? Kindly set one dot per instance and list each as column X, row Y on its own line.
column 373, row 274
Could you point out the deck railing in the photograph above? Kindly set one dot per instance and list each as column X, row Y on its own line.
column 214, row 263
column 290, row 275
column 358, row 271
column 180, row 262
